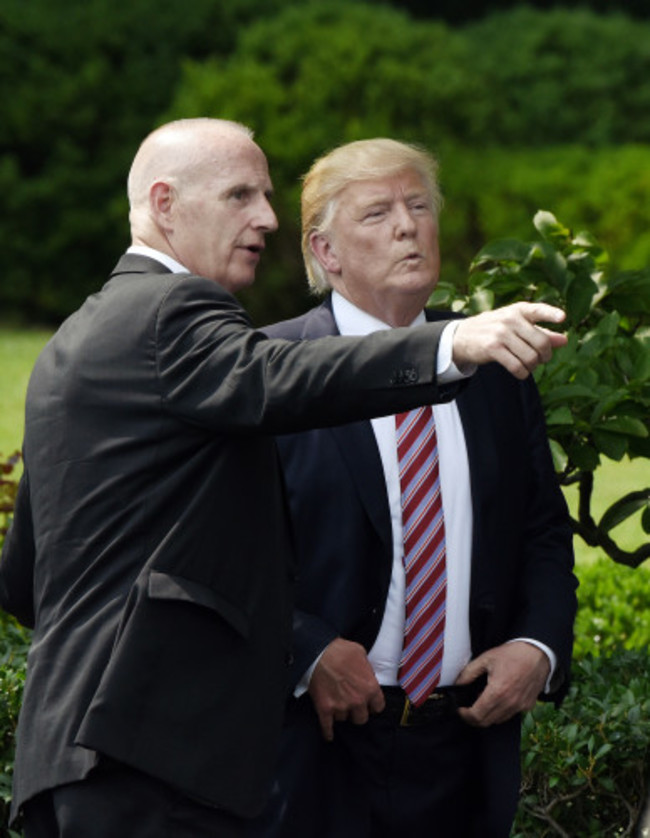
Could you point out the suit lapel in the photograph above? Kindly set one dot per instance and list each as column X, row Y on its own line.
column 356, row 443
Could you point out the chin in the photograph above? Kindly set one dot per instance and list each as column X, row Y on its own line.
column 237, row 284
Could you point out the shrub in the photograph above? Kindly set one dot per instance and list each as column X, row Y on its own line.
column 614, row 610
column 8, row 489
column 14, row 643
column 584, row 765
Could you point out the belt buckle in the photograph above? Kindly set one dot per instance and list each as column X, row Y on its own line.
column 406, row 712
column 405, row 720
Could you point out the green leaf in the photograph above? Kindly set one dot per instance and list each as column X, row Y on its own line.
column 629, row 292
column 613, row 446
column 623, row 508
column 560, row 457
column 624, row 425
column 549, row 227
column 584, row 456
column 579, row 297
column 566, row 392
column 587, row 377
column 607, row 405
column 560, row 416
column 481, row 300
column 604, row 749
column 503, row 250
column 645, row 519
column 554, row 265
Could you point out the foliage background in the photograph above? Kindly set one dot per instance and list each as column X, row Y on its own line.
column 526, row 107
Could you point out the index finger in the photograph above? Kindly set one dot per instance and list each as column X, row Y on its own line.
column 327, row 726
column 543, row 312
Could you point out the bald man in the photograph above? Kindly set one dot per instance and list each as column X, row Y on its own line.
column 150, row 546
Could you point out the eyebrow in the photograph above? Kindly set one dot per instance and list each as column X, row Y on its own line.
column 247, row 187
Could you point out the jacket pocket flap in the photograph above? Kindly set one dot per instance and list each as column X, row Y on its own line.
column 166, row 586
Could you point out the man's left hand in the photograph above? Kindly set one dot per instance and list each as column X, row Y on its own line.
column 516, row 673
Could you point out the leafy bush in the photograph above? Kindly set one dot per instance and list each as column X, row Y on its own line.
column 614, row 609
column 584, row 765
column 596, row 389
column 14, row 643
column 8, row 489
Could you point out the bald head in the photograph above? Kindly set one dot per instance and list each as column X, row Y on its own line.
column 178, row 153
column 199, row 190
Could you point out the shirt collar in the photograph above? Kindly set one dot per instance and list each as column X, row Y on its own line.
column 174, row 266
column 352, row 320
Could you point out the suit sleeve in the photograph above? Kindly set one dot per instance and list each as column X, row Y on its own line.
column 17, row 561
column 547, row 592
column 217, row 372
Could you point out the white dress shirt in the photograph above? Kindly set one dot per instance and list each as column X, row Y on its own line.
column 457, row 508
column 142, row 250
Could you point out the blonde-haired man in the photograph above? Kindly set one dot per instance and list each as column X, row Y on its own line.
column 364, row 753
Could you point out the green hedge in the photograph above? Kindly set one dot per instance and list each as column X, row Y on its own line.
column 14, row 642
column 585, row 765
column 614, row 610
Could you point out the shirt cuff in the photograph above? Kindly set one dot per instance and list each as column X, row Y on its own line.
column 550, row 654
column 303, row 685
column 446, row 370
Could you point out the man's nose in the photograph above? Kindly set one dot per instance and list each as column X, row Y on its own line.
column 404, row 223
column 266, row 219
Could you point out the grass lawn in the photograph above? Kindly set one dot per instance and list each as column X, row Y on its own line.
column 19, row 348
column 18, row 351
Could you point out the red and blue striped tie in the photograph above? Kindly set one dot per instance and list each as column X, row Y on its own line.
column 424, row 553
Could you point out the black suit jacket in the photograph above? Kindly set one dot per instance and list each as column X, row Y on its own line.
column 522, row 583
column 150, row 546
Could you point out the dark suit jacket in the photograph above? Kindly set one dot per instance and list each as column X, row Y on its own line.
column 522, row 583
column 150, row 547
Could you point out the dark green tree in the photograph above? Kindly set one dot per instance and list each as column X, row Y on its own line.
column 81, row 82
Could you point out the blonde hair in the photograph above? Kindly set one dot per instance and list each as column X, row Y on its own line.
column 349, row 163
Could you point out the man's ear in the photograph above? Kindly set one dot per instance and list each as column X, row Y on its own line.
column 161, row 203
column 324, row 251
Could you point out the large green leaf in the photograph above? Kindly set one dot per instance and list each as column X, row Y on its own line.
column 611, row 445
column 579, row 297
column 623, row 508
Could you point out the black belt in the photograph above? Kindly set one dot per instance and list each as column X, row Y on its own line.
column 443, row 702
